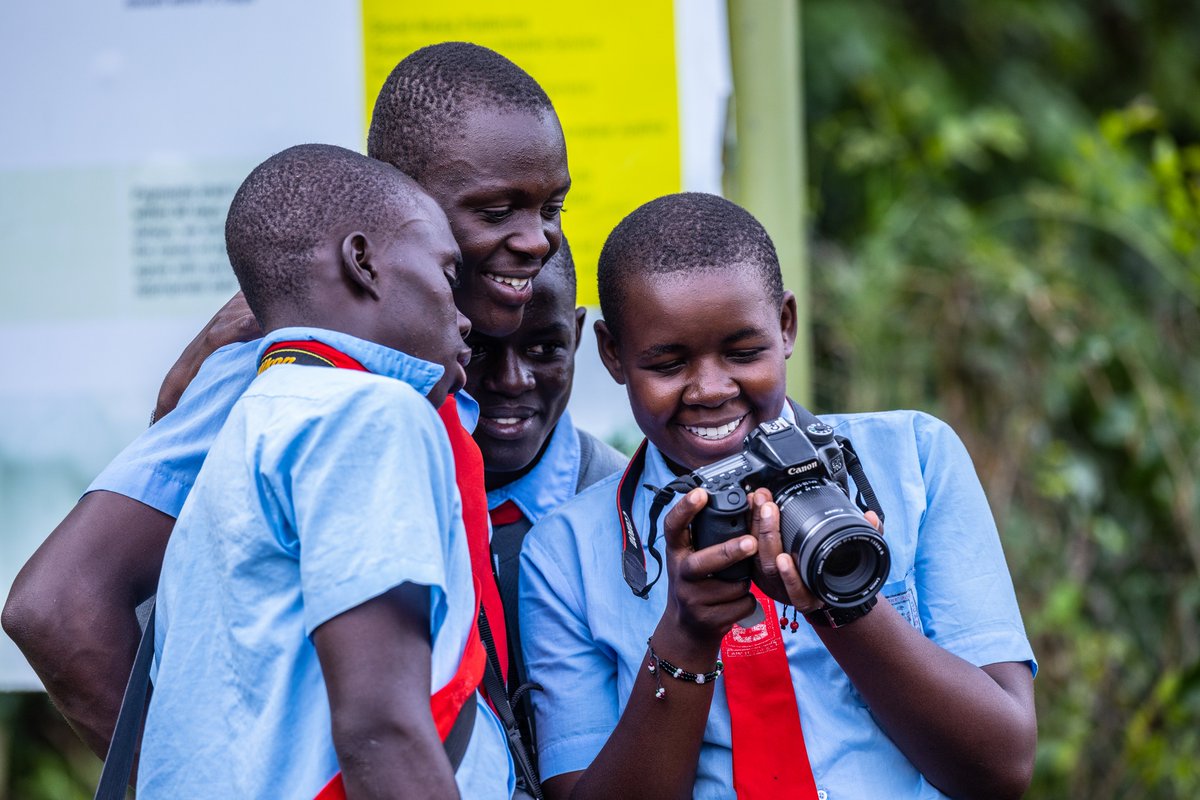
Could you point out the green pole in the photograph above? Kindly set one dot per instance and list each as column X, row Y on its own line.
column 765, row 169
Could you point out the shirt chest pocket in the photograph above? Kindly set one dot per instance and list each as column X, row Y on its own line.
column 902, row 594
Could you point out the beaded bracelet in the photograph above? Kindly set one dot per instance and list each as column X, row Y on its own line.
column 658, row 666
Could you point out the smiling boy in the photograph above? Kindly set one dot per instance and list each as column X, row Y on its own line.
column 927, row 693
column 482, row 137
column 535, row 458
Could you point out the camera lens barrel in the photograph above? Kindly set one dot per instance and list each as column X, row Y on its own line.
column 841, row 557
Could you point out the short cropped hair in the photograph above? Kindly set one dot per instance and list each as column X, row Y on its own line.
column 427, row 96
column 679, row 233
column 293, row 202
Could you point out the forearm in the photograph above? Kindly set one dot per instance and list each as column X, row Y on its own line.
column 71, row 608
column 382, row 756
column 81, row 645
column 968, row 734
column 376, row 663
column 666, row 733
column 86, row 678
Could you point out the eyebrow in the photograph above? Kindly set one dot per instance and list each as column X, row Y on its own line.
column 553, row 329
column 659, row 350
column 747, row 332
column 504, row 190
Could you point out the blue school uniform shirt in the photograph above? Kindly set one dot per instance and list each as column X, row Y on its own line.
column 584, row 632
column 325, row 489
column 159, row 467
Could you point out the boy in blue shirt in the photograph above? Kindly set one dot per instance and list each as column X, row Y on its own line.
column 317, row 587
column 535, row 459
column 925, row 694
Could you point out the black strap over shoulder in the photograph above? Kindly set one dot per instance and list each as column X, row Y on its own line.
column 118, row 764
column 494, row 684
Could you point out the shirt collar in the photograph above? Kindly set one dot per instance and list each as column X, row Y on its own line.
column 552, row 480
column 420, row 374
column 468, row 410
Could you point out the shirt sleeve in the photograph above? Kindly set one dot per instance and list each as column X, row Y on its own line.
column 578, row 708
column 159, row 467
column 966, row 597
column 367, row 487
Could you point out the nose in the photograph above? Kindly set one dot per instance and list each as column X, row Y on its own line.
column 537, row 237
column 508, row 374
column 464, row 324
column 709, row 385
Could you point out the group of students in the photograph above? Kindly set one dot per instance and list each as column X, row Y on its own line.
column 343, row 565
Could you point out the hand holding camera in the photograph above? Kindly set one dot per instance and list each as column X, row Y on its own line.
column 840, row 557
column 699, row 604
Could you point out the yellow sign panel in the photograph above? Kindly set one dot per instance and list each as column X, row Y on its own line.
column 610, row 71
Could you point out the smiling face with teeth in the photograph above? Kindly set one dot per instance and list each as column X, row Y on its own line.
column 501, row 180
column 523, row 381
column 701, row 354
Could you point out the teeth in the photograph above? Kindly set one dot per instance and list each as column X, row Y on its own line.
column 506, row 420
column 715, row 433
column 516, row 283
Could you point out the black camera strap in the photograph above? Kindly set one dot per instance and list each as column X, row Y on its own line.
column 493, row 683
column 118, row 763
column 864, row 495
column 633, row 558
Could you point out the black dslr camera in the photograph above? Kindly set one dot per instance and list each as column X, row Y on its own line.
column 841, row 558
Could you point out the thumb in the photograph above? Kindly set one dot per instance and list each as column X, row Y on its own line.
column 675, row 526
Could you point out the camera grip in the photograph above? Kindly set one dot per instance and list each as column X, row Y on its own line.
column 724, row 517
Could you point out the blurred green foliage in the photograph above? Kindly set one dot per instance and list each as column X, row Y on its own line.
column 41, row 758
column 1005, row 209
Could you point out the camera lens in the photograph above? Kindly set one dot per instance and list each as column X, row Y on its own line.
column 841, row 558
column 851, row 565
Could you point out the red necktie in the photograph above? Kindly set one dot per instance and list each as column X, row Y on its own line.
column 505, row 514
column 763, row 716
column 468, row 472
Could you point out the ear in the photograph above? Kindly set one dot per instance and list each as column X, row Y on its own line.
column 787, row 323
column 357, row 263
column 607, row 346
column 580, row 316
